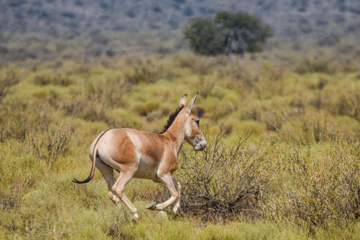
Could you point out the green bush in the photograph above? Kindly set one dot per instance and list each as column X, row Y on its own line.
column 227, row 33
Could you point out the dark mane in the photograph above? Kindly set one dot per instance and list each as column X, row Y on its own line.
column 172, row 118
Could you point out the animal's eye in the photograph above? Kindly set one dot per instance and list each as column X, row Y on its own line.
column 197, row 122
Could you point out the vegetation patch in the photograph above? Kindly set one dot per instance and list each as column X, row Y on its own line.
column 283, row 165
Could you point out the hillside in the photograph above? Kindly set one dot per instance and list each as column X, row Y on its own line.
column 58, row 16
column 56, row 29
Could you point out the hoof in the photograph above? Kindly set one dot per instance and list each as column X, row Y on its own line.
column 175, row 210
column 151, row 206
column 135, row 217
column 163, row 214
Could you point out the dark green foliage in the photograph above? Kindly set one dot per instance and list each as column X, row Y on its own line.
column 227, row 32
column 204, row 36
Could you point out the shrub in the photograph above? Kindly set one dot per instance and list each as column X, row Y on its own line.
column 18, row 116
column 11, row 78
column 108, row 92
column 55, row 79
column 317, row 64
column 97, row 97
column 51, row 144
column 343, row 101
column 147, row 107
column 203, row 36
column 324, row 194
column 227, row 32
column 147, row 74
column 223, row 182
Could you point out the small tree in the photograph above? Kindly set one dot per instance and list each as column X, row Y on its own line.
column 227, row 33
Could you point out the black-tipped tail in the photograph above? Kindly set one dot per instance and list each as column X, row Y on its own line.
column 82, row 182
column 92, row 173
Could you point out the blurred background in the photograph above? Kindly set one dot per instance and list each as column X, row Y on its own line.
column 52, row 28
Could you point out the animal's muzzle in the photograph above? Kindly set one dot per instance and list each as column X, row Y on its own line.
column 201, row 145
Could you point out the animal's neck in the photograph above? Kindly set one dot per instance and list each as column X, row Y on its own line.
column 176, row 133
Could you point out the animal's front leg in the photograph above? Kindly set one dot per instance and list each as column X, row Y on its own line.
column 175, row 207
column 169, row 184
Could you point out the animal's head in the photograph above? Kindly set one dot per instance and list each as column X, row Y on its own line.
column 193, row 134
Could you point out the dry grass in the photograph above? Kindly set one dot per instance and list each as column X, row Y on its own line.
column 294, row 174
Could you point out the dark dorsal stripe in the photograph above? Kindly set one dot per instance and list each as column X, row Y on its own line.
column 172, row 118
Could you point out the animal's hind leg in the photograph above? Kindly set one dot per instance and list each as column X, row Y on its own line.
column 118, row 188
column 108, row 175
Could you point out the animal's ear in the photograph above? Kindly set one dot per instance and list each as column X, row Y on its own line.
column 183, row 101
column 191, row 104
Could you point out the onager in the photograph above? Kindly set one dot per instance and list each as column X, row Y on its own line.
column 138, row 154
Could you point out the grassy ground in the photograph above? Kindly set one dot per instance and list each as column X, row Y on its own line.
column 299, row 167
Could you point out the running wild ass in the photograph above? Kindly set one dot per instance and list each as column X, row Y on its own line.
column 138, row 154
